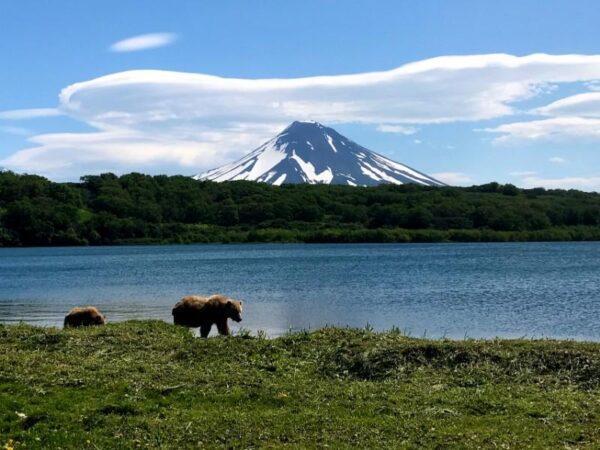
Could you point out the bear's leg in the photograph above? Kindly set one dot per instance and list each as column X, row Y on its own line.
column 223, row 327
column 205, row 329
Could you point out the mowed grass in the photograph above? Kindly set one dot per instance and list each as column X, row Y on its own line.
column 154, row 385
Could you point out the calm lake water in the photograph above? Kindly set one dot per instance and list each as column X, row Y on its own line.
column 453, row 290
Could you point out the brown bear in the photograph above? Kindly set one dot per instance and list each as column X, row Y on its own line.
column 84, row 317
column 194, row 311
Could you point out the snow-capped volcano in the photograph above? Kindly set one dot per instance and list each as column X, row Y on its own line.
column 308, row 152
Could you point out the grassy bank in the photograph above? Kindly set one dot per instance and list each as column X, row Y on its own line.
column 151, row 384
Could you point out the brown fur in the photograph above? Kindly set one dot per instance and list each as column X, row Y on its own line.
column 194, row 311
column 83, row 317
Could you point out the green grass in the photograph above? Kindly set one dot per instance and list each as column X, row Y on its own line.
column 153, row 385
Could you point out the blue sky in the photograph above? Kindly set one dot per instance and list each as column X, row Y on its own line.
column 470, row 119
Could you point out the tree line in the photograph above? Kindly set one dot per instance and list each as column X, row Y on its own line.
column 136, row 208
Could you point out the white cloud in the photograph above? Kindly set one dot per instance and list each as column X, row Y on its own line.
column 581, row 183
column 522, row 173
column 557, row 128
column 557, row 160
column 221, row 118
column 437, row 90
column 144, row 42
column 573, row 117
column 453, row 178
column 19, row 131
column 418, row 141
column 400, row 129
column 61, row 155
column 20, row 114
column 580, row 105
column 593, row 85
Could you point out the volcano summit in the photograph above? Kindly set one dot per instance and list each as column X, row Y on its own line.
column 308, row 152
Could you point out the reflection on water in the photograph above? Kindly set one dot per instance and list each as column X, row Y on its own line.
column 453, row 290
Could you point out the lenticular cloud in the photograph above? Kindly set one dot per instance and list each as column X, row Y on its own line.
column 191, row 121
column 437, row 90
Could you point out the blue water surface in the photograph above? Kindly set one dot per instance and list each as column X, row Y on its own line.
column 434, row 290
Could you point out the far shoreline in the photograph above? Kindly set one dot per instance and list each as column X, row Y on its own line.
column 389, row 236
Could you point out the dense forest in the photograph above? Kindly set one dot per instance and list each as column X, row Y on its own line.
column 136, row 208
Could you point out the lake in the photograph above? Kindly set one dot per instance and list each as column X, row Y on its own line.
column 433, row 290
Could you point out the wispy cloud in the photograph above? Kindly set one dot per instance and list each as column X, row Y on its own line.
column 557, row 160
column 400, row 129
column 19, row 131
column 63, row 155
column 20, row 114
column 593, row 85
column 143, row 42
column 555, row 129
column 580, row 105
column 582, row 183
column 453, row 178
column 573, row 117
column 523, row 173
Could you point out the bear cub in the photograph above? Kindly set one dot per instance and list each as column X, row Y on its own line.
column 84, row 317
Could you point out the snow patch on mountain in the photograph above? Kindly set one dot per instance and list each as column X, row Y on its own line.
column 309, row 170
column 330, row 142
column 279, row 180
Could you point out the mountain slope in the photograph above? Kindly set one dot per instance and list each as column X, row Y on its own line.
column 308, row 152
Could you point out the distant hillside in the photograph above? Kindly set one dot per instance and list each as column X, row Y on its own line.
column 138, row 208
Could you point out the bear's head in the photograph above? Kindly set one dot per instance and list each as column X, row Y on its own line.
column 100, row 319
column 95, row 316
column 234, row 310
